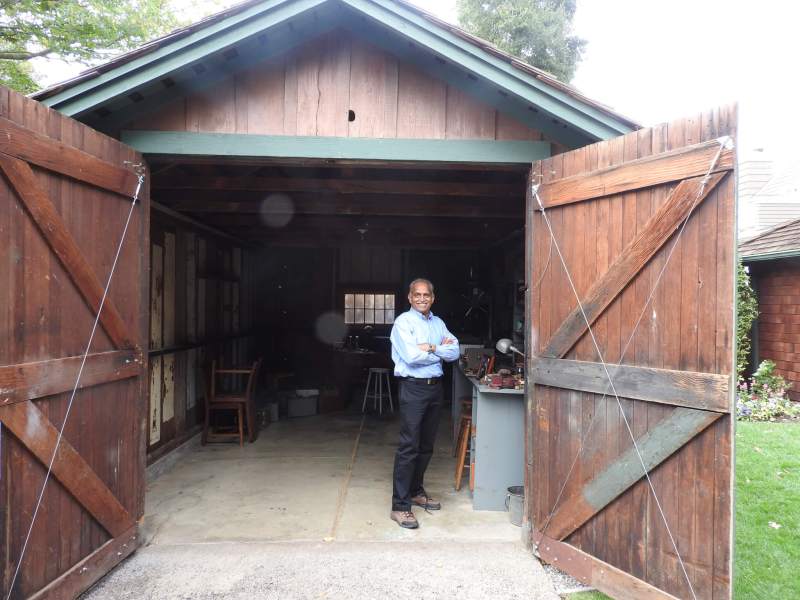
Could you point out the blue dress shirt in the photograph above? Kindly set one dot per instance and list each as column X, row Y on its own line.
column 411, row 328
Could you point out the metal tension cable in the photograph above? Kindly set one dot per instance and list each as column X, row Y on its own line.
column 139, row 169
column 724, row 142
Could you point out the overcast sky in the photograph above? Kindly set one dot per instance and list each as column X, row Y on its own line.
column 659, row 60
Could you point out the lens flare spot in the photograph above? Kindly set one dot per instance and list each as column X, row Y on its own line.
column 330, row 328
column 277, row 210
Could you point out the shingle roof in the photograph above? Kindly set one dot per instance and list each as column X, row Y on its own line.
column 781, row 241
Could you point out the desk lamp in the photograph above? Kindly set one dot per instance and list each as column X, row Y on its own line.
column 505, row 344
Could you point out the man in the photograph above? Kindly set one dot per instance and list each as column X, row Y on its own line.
column 420, row 342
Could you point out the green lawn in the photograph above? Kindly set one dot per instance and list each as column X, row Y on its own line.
column 767, row 558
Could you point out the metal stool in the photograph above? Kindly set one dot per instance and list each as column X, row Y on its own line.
column 377, row 378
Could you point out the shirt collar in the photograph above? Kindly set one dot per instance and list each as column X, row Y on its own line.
column 420, row 315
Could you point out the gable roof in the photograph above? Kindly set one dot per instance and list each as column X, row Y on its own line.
column 254, row 30
column 782, row 241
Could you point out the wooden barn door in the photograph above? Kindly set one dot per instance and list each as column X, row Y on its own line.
column 65, row 195
column 648, row 242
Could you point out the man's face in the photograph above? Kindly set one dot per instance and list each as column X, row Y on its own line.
column 421, row 297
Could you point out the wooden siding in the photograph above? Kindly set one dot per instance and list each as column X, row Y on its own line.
column 200, row 310
column 778, row 289
column 311, row 90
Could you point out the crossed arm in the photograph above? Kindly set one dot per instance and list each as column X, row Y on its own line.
column 447, row 349
column 418, row 355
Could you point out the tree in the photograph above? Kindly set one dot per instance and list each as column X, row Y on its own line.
column 76, row 30
column 536, row 31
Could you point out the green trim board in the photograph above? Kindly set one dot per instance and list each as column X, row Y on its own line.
column 253, row 22
column 385, row 149
column 771, row 256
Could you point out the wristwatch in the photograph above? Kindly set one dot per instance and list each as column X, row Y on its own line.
column 430, row 348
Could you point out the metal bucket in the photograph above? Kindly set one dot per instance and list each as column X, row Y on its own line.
column 514, row 502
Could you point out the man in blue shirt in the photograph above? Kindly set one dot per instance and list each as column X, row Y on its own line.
column 420, row 342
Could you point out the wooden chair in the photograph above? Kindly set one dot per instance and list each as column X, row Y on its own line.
column 465, row 430
column 466, row 409
column 242, row 403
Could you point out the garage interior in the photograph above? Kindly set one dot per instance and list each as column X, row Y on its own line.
column 254, row 259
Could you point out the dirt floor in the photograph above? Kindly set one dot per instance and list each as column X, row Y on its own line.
column 304, row 513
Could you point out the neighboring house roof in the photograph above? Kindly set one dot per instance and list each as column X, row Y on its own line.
column 782, row 241
column 769, row 194
column 211, row 49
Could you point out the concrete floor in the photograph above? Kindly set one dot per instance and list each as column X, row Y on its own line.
column 304, row 513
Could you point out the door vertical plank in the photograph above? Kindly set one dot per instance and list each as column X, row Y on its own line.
column 724, row 476
column 639, row 354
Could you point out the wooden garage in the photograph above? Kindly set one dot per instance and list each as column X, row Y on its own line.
column 301, row 162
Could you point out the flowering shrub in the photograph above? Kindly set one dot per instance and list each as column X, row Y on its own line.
column 764, row 397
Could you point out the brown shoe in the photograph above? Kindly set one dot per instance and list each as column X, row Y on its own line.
column 426, row 502
column 404, row 518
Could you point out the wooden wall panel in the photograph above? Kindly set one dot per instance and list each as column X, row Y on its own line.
column 259, row 100
column 421, row 105
column 307, row 67
column 334, row 88
column 212, row 110
column 156, row 342
column 469, row 119
column 373, row 92
column 310, row 90
column 198, row 291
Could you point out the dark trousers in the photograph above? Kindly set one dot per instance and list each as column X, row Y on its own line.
column 420, row 404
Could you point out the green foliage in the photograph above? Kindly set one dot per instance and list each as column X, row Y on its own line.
column 18, row 76
column 746, row 313
column 767, row 511
column 74, row 30
column 764, row 397
column 537, row 31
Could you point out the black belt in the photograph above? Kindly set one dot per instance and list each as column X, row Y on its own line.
column 422, row 380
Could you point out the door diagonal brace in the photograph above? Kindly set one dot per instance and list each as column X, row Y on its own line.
column 688, row 194
column 40, row 436
column 658, row 444
column 58, row 237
